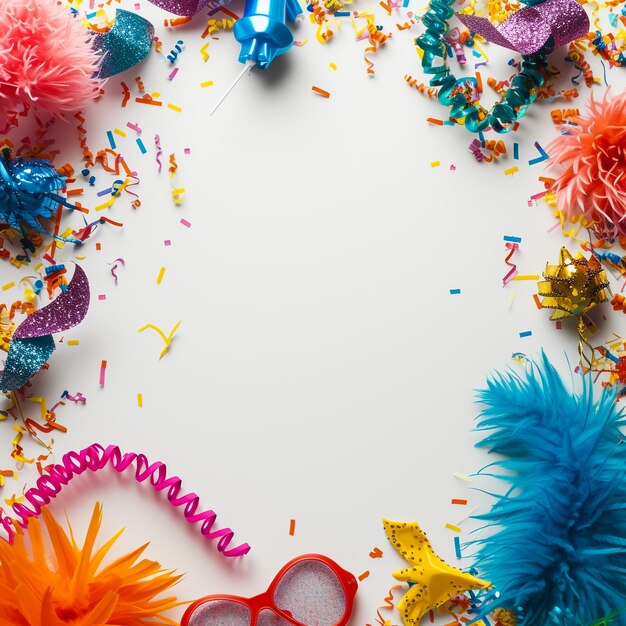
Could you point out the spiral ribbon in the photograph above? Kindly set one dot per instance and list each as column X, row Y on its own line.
column 453, row 92
column 96, row 457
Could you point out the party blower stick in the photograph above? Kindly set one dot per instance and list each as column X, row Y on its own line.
column 263, row 35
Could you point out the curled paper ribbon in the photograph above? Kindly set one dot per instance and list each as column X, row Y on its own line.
column 32, row 343
column 127, row 44
column 538, row 28
column 28, row 191
column 96, row 457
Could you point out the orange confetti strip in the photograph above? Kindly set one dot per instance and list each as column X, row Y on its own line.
column 364, row 575
column 149, row 100
column 536, row 299
column 376, row 553
column 292, row 527
column 320, row 91
column 433, row 120
column 458, row 501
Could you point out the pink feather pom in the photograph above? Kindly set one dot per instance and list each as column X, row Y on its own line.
column 593, row 155
column 47, row 62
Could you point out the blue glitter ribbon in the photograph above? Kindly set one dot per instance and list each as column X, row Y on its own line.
column 127, row 44
column 32, row 343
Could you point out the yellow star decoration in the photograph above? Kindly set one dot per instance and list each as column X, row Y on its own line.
column 434, row 581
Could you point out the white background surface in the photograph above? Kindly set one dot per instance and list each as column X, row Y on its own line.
column 322, row 371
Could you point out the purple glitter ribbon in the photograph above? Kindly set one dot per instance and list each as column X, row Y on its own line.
column 528, row 30
column 187, row 8
column 32, row 343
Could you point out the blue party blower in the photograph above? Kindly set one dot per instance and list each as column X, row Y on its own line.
column 263, row 32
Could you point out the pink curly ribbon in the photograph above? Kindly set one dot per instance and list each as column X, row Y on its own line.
column 95, row 457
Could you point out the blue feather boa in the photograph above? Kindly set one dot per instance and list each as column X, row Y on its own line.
column 556, row 539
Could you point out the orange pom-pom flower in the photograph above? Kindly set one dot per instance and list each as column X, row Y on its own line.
column 76, row 590
column 592, row 154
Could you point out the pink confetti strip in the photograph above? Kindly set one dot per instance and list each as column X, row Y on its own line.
column 96, row 457
column 134, row 127
column 103, row 370
column 159, row 152
column 78, row 397
column 120, row 260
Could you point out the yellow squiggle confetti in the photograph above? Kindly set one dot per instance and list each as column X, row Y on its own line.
column 167, row 340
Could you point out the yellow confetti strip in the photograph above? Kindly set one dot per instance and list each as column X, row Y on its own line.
column 72, row 342
column 204, row 53
column 454, row 528
column 174, row 107
column 119, row 132
column 332, row 66
column 206, row 83
column 140, row 400
column 8, row 286
column 160, row 276
column 511, row 170
column 526, row 277
column 463, row 477
column 435, row 163
column 167, row 339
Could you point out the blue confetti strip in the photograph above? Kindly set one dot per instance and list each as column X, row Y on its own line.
column 516, row 151
column 457, row 547
column 526, row 333
column 455, row 292
column 141, row 146
column 111, row 140
column 512, row 239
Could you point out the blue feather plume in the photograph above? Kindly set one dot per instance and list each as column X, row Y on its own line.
column 555, row 546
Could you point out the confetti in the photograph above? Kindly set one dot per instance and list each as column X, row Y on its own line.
column 204, row 53
column 103, row 369
column 320, row 91
column 206, row 83
column 376, row 553
column 72, row 342
column 102, row 296
column 8, row 286
column 160, row 275
column 435, row 163
column 167, row 340
column 511, row 170
column 526, row 277
column 292, row 527
column 139, row 400
column 364, row 575
column 332, row 65
column 111, row 140
column 167, row 242
column 453, row 528
column 174, row 107
column 457, row 547
column 525, row 333
column 141, row 146
column 458, row 501
column 455, row 292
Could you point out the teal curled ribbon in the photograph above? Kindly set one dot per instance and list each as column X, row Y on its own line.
column 32, row 343
column 504, row 114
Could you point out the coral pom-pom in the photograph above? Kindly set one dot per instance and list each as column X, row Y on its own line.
column 47, row 60
column 592, row 154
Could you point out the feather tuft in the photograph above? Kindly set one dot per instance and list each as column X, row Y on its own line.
column 555, row 546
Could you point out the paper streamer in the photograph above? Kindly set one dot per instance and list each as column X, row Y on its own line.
column 127, row 43
column 551, row 24
column 96, row 457
column 32, row 342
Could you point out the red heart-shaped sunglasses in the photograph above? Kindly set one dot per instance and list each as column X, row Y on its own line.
column 310, row 590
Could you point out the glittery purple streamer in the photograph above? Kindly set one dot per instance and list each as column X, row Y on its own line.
column 32, row 343
column 188, row 8
column 528, row 30
column 65, row 312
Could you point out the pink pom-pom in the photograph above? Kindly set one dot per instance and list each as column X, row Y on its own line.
column 593, row 155
column 47, row 62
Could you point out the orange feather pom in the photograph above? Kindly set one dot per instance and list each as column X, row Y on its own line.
column 77, row 591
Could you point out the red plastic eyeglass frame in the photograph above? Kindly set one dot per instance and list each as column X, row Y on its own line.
column 266, row 600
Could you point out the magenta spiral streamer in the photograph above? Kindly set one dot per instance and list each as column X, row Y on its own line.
column 96, row 457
